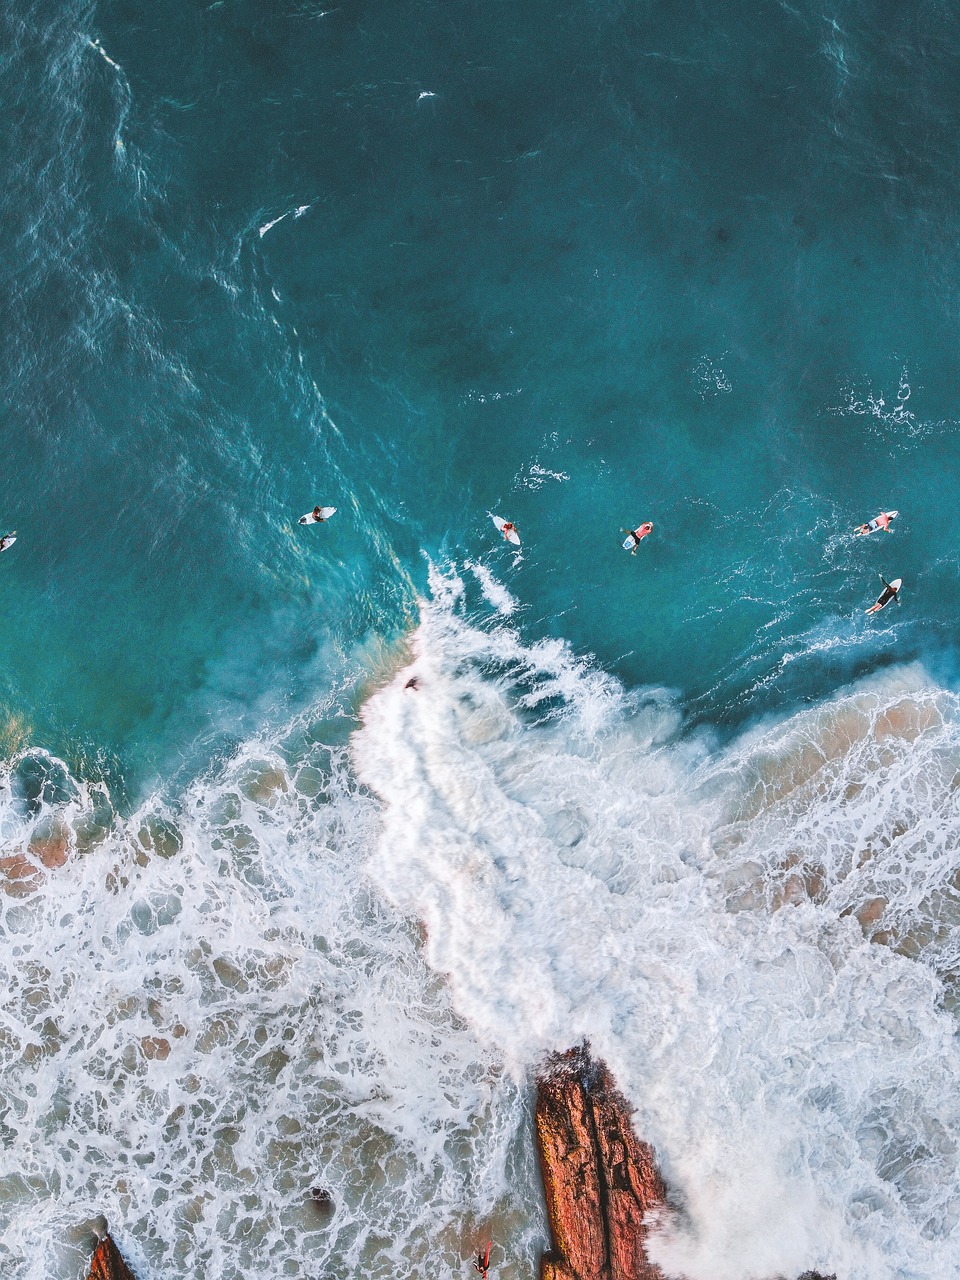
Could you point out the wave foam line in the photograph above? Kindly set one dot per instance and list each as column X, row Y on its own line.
column 761, row 940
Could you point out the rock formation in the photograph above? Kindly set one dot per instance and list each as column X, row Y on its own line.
column 601, row 1182
column 107, row 1264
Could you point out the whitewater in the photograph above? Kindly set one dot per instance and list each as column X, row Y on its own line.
column 291, row 1017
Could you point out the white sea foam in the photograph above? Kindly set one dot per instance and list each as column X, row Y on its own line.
column 533, row 476
column 709, row 377
column 298, row 212
column 205, row 1013
column 762, row 940
column 494, row 592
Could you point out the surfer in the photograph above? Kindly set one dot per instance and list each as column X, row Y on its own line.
column 891, row 591
column 318, row 515
column 507, row 528
column 482, row 1263
column 635, row 536
column 8, row 540
column 882, row 521
column 413, row 683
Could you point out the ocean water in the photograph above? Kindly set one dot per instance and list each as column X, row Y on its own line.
column 272, row 924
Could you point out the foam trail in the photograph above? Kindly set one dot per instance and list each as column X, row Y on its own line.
column 95, row 44
column 291, row 213
column 704, row 917
column 493, row 590
column 267, row 225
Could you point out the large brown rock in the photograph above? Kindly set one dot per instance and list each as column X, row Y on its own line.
column 107, row 1264
column 601, row 1182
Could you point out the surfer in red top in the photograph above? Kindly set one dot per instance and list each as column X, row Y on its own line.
column 638, row 534
column 482, row 1263
column 882, row 521
column 507, row 528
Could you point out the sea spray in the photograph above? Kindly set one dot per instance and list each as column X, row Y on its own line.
column 703, row 916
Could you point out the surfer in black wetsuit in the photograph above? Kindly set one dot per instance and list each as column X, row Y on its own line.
column 482, row 1263
column 891, row 591
column 7, row 540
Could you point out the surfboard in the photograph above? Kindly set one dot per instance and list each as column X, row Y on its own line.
column 325, row 514
column 631, row 540
column 897, row 583
column 511, row 535
column 7, row 541
column 863, row 530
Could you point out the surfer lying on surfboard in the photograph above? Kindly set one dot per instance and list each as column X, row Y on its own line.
column 882, row 521
column 508, row 529
column 482, row 1263
column 891, row 591
column 635, row 536
column 318, row 515
column 8, row 540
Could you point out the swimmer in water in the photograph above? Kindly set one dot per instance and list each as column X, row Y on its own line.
column 891, row 591
column 638, row 534
column 482, row 1263
column 882, row 521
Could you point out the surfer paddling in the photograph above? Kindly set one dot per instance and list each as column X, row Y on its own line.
column 8, row 540
column 318, row 515
column 891, row 591
column 635, row 536
column 882, row 521
column 482, row 1263
column 507, row 528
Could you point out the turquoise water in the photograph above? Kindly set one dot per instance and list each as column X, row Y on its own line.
column 699, row 264
column 581, row 265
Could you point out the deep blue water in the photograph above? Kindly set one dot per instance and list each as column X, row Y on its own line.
column 699, row 261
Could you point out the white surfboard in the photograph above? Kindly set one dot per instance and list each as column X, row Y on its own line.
column 632, row 540
column 7, row 541
column 511, row 535
column 325, row 514
column 897, row 583
column 864, row 529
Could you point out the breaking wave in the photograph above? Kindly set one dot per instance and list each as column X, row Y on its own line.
column 760, row 938
column 277, row 1022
